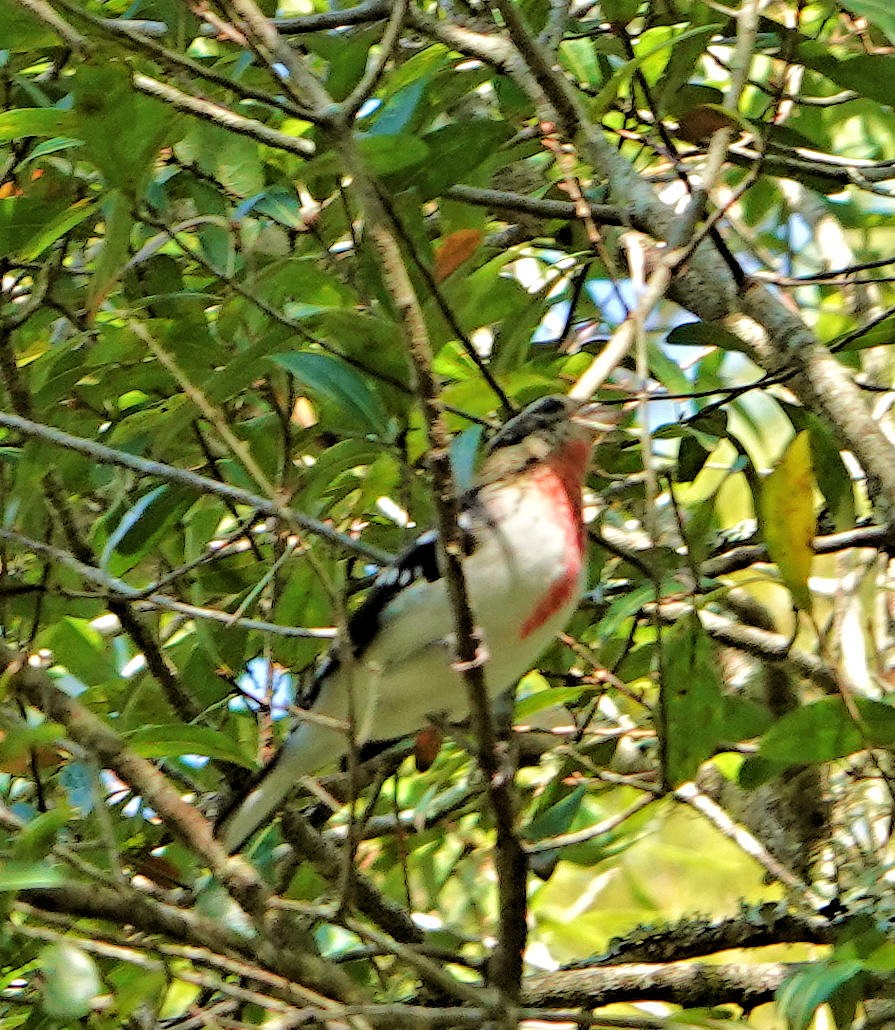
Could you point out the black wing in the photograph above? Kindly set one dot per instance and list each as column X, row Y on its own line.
column 418, row 562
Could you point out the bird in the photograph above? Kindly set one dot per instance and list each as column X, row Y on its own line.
column 393, row 670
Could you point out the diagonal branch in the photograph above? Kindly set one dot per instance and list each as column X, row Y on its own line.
column 201, row 484
column 196, row 832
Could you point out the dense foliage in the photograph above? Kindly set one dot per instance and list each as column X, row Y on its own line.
column 257, row 266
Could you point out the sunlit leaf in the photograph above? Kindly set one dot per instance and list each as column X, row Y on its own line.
column 176, row 740
column 620, row 79
column 20, row 876
column 31, row 121
column 787, row 515
column 71, row 980
column 825, row 730
column 83, row 650
column 544, row 699
column 135, row 987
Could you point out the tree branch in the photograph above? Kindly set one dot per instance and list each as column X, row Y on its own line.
column 201, row 484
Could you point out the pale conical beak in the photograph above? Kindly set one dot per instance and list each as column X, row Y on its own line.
column 598, row 418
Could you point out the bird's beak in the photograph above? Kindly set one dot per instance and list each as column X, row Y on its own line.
column 598, row 418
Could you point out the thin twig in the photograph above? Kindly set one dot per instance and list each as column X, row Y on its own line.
column 118, row 588
column 201, row 484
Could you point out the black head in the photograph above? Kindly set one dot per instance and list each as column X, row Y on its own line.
column 542, row 416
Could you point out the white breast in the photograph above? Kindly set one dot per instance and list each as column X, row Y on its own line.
column 406, row 674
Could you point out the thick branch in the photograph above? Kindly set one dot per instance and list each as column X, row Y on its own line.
column 675, row 983
column 758, row 926
column 771, row 647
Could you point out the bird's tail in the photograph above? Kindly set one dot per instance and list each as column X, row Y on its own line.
column 307, row 749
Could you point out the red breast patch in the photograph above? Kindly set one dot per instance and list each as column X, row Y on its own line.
column 560, row 479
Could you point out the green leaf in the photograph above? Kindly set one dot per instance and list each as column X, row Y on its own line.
column 819, row 732
column 232, row 160
column 877, row 12
column 143, row 525
column 53, row 146
column 388, row 154
column 787, row 516
column 580, row 57
column 619, row 12
column 705, row 334
column 756, row 771
column 833, row 478
column 878, row 335
column 399, row 110
column 135, row 986
column 871, row 75
column 123, row 130
column 115, row 249
column 557, row 818
column 691, row 457
column 339, row 383
column 825, row 730
column 550, row 698
column 71, row 981
column 21, row 876
column 20, row 739
column 700, row 520
column 23, row 31
column 81, row 650
column 619, row 80
column 333, row 464
column 743, row 719
column 806, row 990
column 461, row 148
column 176, row 740
column 31, row 121
column 691, row 697
column 56, row 228
column 38, row 836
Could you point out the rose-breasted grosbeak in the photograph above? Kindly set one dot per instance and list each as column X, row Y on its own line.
column 524, row 567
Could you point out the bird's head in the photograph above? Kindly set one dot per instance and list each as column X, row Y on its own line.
column 556, row 430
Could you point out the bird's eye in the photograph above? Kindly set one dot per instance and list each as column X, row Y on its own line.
column 551, row 405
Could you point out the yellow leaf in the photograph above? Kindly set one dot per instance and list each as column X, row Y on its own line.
column 787, row 513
